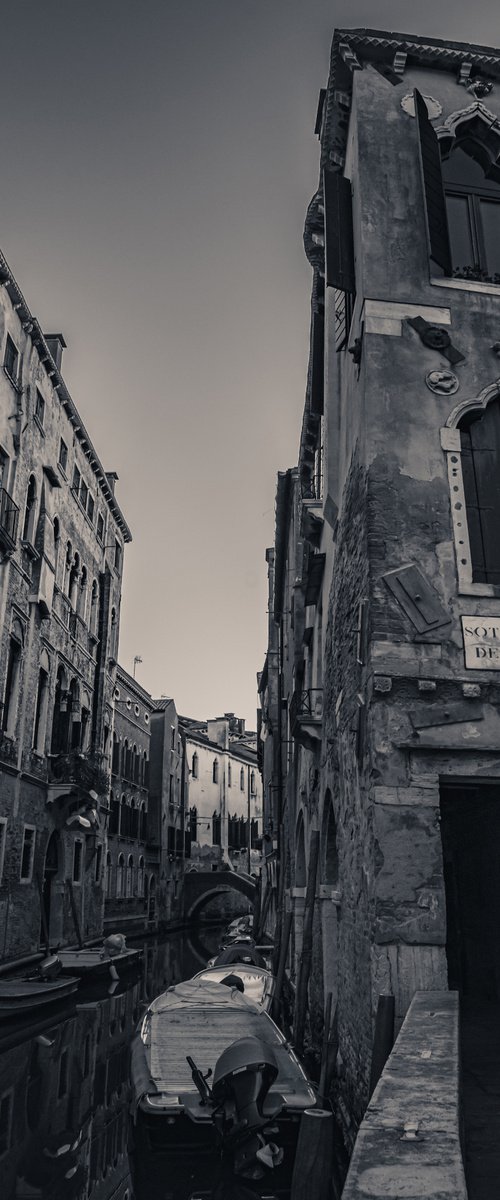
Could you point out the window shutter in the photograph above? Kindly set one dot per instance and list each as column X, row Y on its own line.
column 317, row 362
column 339, row 243
column 417, row 598
column 432, row 181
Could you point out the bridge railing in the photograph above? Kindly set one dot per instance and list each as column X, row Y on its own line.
column 410, row 1131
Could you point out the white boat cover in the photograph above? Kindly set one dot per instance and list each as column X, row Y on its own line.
column 258, row 983
column 201, row 1019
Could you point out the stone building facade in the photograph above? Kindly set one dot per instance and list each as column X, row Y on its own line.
column 387, row 667
column 130, row 863
column 224, row 790
column 168, row 832
column 62, row 538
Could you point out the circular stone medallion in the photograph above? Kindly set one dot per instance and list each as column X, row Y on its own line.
column 434, row 108
column 445, row 383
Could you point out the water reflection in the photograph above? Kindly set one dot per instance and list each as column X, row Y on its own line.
column 64, row 1081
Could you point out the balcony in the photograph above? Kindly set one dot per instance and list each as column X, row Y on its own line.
column 9, row 516
column 79, row 772
column 306, row 717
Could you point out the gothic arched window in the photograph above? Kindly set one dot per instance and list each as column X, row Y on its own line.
column 480, row 456
column 473, row 212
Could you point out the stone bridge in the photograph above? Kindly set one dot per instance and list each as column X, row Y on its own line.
column 201, row 886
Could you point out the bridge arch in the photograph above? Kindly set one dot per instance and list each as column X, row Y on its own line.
column 202, row 886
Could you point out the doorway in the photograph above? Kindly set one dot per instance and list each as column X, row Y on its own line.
column 470, row 832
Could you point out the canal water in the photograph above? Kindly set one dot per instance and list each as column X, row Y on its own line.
column 64, row 1080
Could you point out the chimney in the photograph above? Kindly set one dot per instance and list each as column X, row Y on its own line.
column 218, row 731
column 56, row 345
column 111, row 477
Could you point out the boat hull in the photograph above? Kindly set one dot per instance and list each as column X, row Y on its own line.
column 19, row 997
column 92, row 963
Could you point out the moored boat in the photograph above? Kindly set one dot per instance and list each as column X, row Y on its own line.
column 19, row 997
column 92, row 961
column 258, row 983
column 172, row 1150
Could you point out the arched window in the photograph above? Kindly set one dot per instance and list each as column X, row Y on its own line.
column 114, row 820
column 109, row 870
column 134, row 820
column 135, row 764
column 145, row 772
column 140, row 876
column 57, row 547
column 82, row 597
column 115, row 762
column 94, row 607
column 74, row 575
column 130, row 875
column 75, row 719
column 113, row 639
column 60, row 718
column 252, row 783
column 215, row 770
column 229, row 774
column 41, row 706
column 29, row 512
column 67, row 566
column 125, row 759
column 242, row 780
column 120, row 872
column 330, row 856
column 194, row 765
column 13, row 679
column 480, row 456
column 473, row 210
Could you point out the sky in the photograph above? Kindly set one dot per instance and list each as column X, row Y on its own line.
column 157, row 160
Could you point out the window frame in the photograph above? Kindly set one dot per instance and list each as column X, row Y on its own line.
column 451, row 443
column 40, row 406
column 26, row 879
column 62, row 460
column 12, row 370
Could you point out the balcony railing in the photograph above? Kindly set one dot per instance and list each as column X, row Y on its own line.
column 9, row 517
column 306, row 713
column 85, row 770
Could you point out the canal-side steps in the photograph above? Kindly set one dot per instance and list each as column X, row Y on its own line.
column 408, row 1143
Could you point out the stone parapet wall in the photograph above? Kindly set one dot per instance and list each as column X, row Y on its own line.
column 408, row 1143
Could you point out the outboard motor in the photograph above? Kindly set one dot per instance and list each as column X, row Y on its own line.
column 242, row 1110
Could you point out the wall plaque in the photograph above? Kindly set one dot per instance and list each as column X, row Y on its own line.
column 481, row 643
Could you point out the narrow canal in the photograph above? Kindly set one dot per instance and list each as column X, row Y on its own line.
column 64, row 1080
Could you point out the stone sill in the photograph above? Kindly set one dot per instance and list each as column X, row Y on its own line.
column 468, row 285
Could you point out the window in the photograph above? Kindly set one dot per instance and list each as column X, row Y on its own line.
column 215, row 770
column 77, row 478
column 90, row 507
column 11, row 360
column 27, row 853
column 229, row 774
column 84, row 494
column 194, row 765
column 473, row 212
column 119, row 876
column 242, row 780
column 5, row 1122
column 63, row 454
column 3, row 840
column 130, row 875
column 100, row 527
column 13, row 678
column 77, row 861
column 98, row 864
column 480, row 457
column 42, row 698
column 108, row 873
column 39, row 407
column 118, row 555
column 252, row 783
column 29, row 511
column 140, row 877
